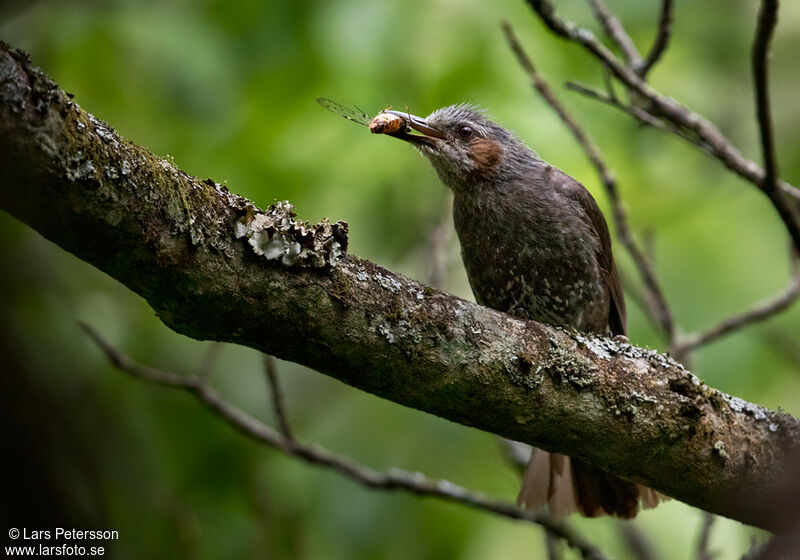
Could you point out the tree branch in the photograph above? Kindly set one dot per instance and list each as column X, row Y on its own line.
column 759, row 312
column 702, row 541
column 637, row 542
column 215, row 267
column 616, row 31
column 641, row 116
column 395, row 479
column 277, row 397
column 662, row 39
column 767, row 20
column 789, row 212
column 664, row 107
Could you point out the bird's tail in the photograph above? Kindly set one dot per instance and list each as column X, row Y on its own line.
column 567, row 485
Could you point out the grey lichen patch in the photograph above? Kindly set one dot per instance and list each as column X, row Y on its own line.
column 644, row 398
column 80, row 168
column 522, row 373
column 603, row 348
column 759, row 413
column 738, row 405
column 625, row 409
column 399, row 330
column 386, row 330
column 104, row 132
column 568, row 366
column 391, row 284
column 278, row 236
column 606, row 348
column 719, row 449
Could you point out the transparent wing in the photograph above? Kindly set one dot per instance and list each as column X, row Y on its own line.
column 351, row 114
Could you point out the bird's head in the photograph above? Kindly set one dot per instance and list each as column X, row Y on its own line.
column 465, row 147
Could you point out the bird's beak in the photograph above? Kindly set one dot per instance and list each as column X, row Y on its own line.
column 428, row 134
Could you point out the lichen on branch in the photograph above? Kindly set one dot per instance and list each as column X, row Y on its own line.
column 277, row 234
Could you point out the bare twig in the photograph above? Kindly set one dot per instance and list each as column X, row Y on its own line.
column 553, row 546
column 208, row 360
column 277, row 396
column 669, row 109
column 705, row 533
column 394, row 479
column 767, row 20
column 642, row 116
column 616, row 31
column 759, row 312
column 656, row 301
column 755, row 550
column 662, row 39
column 637, row 542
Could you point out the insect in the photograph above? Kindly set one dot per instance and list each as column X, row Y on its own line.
column 355, row 114
column 388, row 123
column 383, row 123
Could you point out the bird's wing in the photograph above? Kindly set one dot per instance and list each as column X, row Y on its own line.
column 605, row 258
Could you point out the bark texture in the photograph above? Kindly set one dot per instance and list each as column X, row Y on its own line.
column 207, row 261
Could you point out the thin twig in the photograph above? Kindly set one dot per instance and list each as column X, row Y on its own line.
column 636, row 112
column 718, row 145
column 767, row 20
column 705, row 534
column 553, row 546
column 209, row 358
column 277, row 396
column 394, row 479
column 765, row 30
column 755, row 550
column 759, row 312
column 656, row 300
column 613, row 27
column 662, row 39
column 637, row 542
column 642, row 116
column 608, row 80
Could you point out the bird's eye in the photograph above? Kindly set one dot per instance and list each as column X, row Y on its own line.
column 465, row 132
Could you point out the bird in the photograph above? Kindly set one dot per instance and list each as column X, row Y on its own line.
column 535, row 245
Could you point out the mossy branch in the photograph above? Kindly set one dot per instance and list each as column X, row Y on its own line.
column 208, row 262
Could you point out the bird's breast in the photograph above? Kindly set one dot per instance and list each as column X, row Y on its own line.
column 525, row 262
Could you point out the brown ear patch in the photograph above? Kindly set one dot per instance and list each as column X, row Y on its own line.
column 485, row 153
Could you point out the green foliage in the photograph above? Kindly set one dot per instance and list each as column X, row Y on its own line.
column 228, row 89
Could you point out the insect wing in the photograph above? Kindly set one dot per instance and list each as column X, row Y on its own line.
column 351, row 114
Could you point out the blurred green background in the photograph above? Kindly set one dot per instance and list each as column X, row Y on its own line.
column 227, row 89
